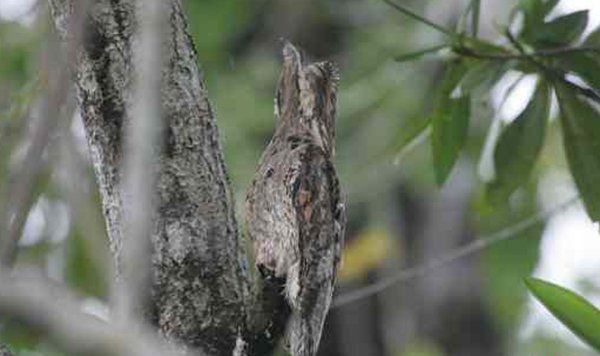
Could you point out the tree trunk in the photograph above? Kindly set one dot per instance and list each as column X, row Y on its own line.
column 201, row 287
column 202, row 294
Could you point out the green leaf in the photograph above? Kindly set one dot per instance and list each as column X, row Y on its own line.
column 537, row 8
column 576, row 313
column 450, row 123
column 559, row 32
column 535, row 11
column 450, row 128
column 532, row 9
column 584, row 64
column 520, row 144
column 593, row 39
column 410, row 132
column 581, row 136
column 483, row 75
column 548, row 6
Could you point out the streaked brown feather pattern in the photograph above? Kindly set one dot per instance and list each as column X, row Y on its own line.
column 294, row 211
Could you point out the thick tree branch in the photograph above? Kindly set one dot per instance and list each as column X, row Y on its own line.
column 201, row 293
column 200, row 283
column 268, row 317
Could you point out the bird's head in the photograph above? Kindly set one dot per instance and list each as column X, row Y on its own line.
column 307, row 96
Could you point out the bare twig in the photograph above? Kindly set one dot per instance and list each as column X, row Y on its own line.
column 551, row 52
column 70, row 172
column 142, row 147
column 418, row 54
column 51, row 310
column 454, row 255
column 24, row 179
column 410, row 13
column 475, row 10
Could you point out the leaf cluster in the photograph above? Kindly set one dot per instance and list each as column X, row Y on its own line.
column 555, row 51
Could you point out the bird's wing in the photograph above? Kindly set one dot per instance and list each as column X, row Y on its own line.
column 316, row 200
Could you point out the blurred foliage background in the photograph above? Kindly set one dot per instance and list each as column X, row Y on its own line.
column 398, row 216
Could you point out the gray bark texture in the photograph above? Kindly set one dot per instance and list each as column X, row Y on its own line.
column 200, row 282
column 202, row 293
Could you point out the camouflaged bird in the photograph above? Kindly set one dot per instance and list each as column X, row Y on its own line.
column 295, row 216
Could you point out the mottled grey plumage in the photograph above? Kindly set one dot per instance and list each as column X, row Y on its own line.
column 295, row 215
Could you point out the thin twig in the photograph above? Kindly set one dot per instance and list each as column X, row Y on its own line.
column 412, row 144
column 552, row 73
column 414, row 55
column 551, row 52
column 141, row 162
column 408, row 12
column 35, row 302
column 590, row 93
column 475, row 10
column 480, row 244
column 23, row 182
column 70, row 171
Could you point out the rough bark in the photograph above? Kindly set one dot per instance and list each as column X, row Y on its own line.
column 200, row 292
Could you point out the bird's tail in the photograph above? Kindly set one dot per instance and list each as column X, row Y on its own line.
column 304, row 335
column 306, row 324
